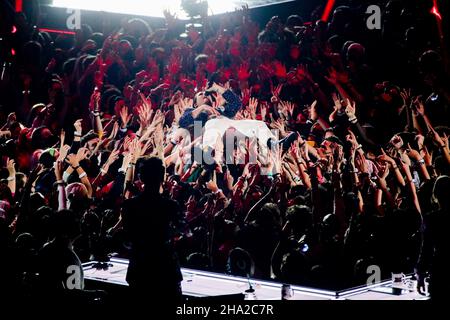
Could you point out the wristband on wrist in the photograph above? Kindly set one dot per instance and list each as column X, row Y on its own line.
column 81, row 176
column 76, row 134
column 11, row 178
column 60, row 183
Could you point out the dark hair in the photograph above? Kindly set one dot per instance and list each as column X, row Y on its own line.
column 65, row 223
column 151, row 171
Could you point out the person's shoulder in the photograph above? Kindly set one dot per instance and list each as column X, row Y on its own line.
column 170, row 202
column 134, row 199
column 131, row 203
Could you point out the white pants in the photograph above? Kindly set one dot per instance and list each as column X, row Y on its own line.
column 216, row 128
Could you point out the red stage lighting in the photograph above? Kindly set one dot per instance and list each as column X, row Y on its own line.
column 435, row 10
column 19, row 5
column 327, row 11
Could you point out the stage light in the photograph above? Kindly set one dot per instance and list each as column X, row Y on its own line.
column 145, row 7
column 19, row 5
column 13, row 52
column 435, row 11
column 14, row 29
column 56, row 31
column 327, row 10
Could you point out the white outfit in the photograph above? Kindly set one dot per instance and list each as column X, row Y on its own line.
column 217, row 127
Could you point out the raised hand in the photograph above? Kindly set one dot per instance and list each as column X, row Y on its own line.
column 352, row 139
column 113, row 156
column 144, row 115
column 385, row 158
column 350, row 110
column 174, row 65
column 263, row 109
column 229, row 179
column 252, row 105
column 94, row 101
column 313, row 114
column 427, row 157
column 114, row 131
column 11, row 118
column 212, row 186
column 63, row 152
column 413, row 154
column 185, row 103
column 397, row 142
column 77, row 126
column 82, row 154
column 360, row 162
column 420, row 140
column 62, row 137
column 127, row 157
column 246, row 171
column 158, row 119
column 280, row 69
column 279, row 124
column 406, row 96
column 171, row 18
column 245, row 96
column 437, row 138
column 336, row 100
column 339, row 76
column 332, row 77
column 243, row 72
column 418, row 106
column 10, row 165
column 72, row 160
column 58, row 167
column 125, row 117
column 176, row 97
column 405, row 159
column 303, row 74
column 276, row 91
column 444, row 139
column 210, row 110
column 283, row 110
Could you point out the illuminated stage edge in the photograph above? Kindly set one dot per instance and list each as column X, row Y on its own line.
column 202, row 284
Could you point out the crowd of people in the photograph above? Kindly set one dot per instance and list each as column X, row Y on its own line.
column 355, row 172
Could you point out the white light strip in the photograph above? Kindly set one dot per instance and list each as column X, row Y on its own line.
column 145, row 7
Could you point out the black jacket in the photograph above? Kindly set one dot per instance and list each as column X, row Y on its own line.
column 147, row 225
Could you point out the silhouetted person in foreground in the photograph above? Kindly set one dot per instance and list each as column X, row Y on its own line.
column 153, row 272
column 435, row 246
